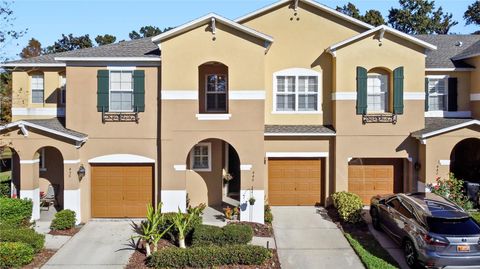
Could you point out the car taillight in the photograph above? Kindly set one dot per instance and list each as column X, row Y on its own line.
column 433, row 241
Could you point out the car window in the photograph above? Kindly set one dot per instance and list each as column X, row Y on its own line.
column 465, row 226
column 400, row 207
column 394, row 203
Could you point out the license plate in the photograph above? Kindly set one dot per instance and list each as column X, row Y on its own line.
column 463, row 248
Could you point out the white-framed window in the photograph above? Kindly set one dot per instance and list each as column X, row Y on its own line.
column 37, row 86
column 121, row 91
column 377, row 93
column 437, row 93
column 41, row 157
column 296, row 90
column 63, row 89
column 216, row 93
column 201, row 157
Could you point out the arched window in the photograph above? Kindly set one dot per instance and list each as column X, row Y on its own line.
column 213, row 87
column 378, row 91
column 296, row 90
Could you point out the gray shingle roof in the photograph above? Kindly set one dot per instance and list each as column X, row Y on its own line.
column 447, row 48
column 143, row 47
column 471, row 51
column 435, row 124
column 300, row 129
column 57, row 125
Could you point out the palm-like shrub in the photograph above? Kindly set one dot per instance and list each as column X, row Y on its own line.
column 182, row 222
column 150, row 230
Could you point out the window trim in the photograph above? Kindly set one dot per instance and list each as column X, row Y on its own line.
column 121, row 70
column 226, row 94
column 297, row 72
column 388, row 93
column 31, row 88
column 209, row 168
column 42, row 166
column 445, row 78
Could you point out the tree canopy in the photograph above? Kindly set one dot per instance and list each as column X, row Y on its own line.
column 105, row 39
column 472, row 15
column 147, row 31
column 372, row 16
column 33, row 49
column 70, row 42
column 420, row 17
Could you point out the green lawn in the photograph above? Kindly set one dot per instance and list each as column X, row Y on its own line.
column 372, row 254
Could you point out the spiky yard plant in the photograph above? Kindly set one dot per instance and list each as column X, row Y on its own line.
column 182, row 222
column 149, row 231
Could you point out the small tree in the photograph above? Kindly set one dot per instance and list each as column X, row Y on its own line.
column 182, row 221
column 149, row 229
column 452, row 189
column 33, row 49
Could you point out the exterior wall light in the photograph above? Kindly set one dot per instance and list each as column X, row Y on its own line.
column 81, row 172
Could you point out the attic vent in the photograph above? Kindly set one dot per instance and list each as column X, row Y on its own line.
column 459, row 44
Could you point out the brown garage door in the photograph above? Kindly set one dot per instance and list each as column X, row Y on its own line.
column 121, row 191
column 370, row 180
column 294, row 182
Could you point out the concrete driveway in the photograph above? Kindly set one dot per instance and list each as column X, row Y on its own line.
column 99, row 244
column 305, row 238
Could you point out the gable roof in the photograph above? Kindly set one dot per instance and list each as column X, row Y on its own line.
column 436, row 126
column 206, row 19
column 53, row 126
column 308, row 2
column 450, row 47
column 383, row 29
column 138, row 49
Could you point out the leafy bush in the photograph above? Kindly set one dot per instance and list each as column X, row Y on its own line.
column 268, row 216
column 452, row 189
column 15, row 212
column 476, row 216
column 349, row 206
column 24, row 235
column 15, row 254
column 232, row 234
column 63, row 220
column 173, row 232
column 5, row 188
column 209, row 256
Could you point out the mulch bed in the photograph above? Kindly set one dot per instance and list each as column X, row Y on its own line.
column 68, row 232
column 260, row 230
column 40, row 259
column 137, row 260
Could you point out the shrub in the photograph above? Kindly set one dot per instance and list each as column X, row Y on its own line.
column 268, row 216
column 452, row 189
column 15, row 254
column 15, row 212
column 209, row 256
column 349, row 206
column 5, row 188
column 476, row 216
column 24, row 235
column 173, row 232
column 232, row 234
column 63, row 220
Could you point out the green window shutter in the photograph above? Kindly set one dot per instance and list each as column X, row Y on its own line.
column 139, row 90
column 426, row 94
column 452, row 94
column 398, row 91
column 102, row 90
column 361, row 91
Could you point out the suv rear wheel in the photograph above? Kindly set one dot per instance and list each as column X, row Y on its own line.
column 410, row 254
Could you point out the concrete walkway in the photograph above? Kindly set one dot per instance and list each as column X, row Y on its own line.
column 99, row 244
column 305, row 239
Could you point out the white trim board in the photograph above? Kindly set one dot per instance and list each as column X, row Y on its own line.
column 173, row 200
column 29, row 161
column 33, row 65
column 475, row 97
column 246, row 95
column 246, row 167
column 414, row 96
column 448, row 114
column 180, row 167
column 121, row 158
column 296, row 154
column 38, row 111
column 444, row 162
column 48, row 130
column 179, row 95
column 448, row 69
column 72, row 201
column 33, row 195
column 108, row 59
column 71, row 161
column 213, row 116
column 344, row 96
column 299, row 134
column 448, row 129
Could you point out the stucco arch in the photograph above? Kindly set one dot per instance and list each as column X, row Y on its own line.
column 465, row 160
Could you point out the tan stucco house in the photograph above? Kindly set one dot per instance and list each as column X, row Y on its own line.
column 287, row 104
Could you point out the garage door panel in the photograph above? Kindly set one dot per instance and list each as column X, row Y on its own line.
column 121, row 191
column 294, row 182
column 370, row 180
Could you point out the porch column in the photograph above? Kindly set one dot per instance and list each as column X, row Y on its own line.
column 71, row 191
column 29, row 187
column 174, row 194
column 251, row 186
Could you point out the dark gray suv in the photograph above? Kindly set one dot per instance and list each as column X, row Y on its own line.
column 434, row 232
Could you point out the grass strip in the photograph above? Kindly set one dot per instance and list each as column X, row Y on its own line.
column 373, row 255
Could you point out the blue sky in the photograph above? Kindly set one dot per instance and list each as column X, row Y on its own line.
column 47, row 20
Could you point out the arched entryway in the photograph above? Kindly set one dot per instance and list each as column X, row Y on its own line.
column 213, row 174
column 9, row 172
column 51, row 179
column 465, row 160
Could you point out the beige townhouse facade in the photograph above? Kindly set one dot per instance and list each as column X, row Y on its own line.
column 285, row 105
